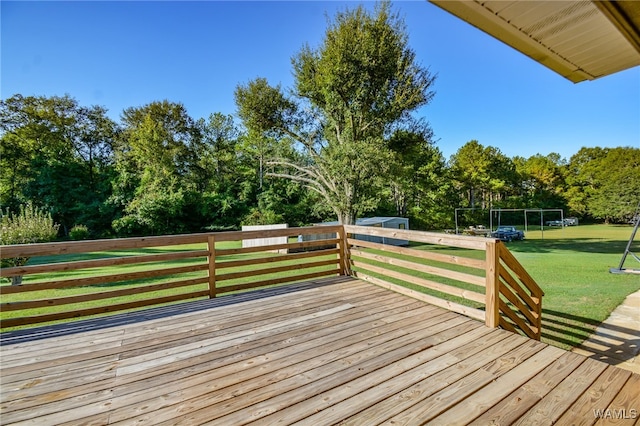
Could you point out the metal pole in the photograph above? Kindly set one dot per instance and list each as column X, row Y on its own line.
column 628, row 249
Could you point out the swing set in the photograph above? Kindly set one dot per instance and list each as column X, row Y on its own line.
column 627, row 251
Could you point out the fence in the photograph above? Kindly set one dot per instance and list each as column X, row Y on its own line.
column 131, row 273
column 480, row 278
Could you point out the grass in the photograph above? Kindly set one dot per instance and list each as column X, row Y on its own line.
column 571, row 265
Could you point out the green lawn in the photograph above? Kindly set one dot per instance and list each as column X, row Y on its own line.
column 571, row 265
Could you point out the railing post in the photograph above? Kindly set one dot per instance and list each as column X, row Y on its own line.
column 492, row 299
column 344, row 252
column 538, row 323
column 212, row 266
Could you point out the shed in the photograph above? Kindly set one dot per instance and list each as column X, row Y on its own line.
column 378, row 222
column 256, row 242
column 384, row 222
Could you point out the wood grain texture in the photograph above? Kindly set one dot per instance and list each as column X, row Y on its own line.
column 461, row 241
column 420, row 254
column 433, row 285
column 332, row 351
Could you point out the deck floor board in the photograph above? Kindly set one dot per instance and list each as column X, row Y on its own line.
column 324, row 352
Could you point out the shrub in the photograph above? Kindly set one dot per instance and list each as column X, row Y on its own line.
column 262, row 217
column 29, row 225
column 79, row 232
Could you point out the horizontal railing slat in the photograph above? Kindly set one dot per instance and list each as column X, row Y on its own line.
column 422, row 254
column 446, row 304
column 97, row 263
column 274, row 259
column 271, row 233
column 433, row 285
column 44, row 249
column 89, row 297
column 290, row 246
column 266, row 271
column 460, row 241
column 103, row 279
column 446, row 273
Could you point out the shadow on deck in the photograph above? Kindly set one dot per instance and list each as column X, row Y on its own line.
column 330, row 351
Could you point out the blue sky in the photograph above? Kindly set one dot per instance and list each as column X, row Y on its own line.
column 122, row 54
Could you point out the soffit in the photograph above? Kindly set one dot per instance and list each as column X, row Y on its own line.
column 579, row 39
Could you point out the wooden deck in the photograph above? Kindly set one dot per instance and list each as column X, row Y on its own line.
column 326, row 352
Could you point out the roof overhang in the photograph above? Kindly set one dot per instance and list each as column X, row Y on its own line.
column 579, row 39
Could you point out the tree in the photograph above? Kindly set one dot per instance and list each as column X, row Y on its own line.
column 483, row 173
column 419, row 183
column 216, row 158
column 224, row 174
column 604, row 183
column 541, row 181
column 58, row 154
column 349, row 93
column 156, row 160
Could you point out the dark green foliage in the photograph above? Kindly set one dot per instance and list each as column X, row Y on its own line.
column 349, row 94
column 56, row 154
column 541, row 181
column 79, row 232
column 484, row 175
column 604, row 183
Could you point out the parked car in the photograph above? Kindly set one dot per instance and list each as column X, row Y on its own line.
column 570, row 221
column 508, row 233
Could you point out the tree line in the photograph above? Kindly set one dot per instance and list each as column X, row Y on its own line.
column 159, row 171
column 342, row 143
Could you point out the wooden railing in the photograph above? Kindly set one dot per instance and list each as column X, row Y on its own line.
column 112, row 275
column 474, row 276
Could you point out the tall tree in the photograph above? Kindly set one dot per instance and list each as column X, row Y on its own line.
column 223, row 176
column 604, row 183
column 156, row 159
column 542, row 181
column 217, row 160
column 349, row 93
column 58, row 155
column 483, row 173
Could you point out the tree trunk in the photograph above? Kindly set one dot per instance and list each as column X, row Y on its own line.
column 346, row 218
